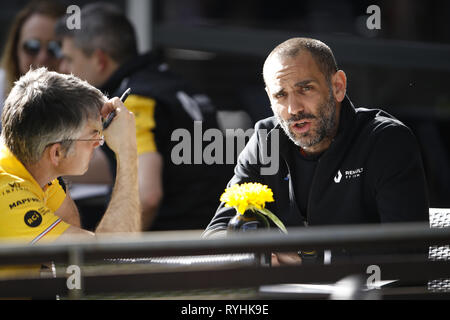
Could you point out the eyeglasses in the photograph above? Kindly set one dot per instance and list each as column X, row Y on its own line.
column 33, row 46
column 100, row 140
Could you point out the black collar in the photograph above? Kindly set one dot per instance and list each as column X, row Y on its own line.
column 125, row 70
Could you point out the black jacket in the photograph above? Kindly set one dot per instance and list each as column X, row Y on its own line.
column 371, row 173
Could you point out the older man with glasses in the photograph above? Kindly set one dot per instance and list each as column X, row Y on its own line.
column 52, row 124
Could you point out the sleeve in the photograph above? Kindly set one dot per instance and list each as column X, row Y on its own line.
column 144, row 113
column 398, row 177
column 56, row 193
column 246, row 170
column 25, row 217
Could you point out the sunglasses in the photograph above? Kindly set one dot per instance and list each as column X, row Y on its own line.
column 33, row 46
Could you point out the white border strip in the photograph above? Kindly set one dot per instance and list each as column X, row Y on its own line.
column 45, row 231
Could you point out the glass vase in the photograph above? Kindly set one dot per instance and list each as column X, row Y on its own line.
column 249, row 221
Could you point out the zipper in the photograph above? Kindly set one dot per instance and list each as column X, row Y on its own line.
column 308, row 210
column 293, row 202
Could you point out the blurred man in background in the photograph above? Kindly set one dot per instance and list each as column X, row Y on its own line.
column 104, row 53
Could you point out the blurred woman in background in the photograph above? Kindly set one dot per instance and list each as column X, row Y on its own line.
column 31, row 42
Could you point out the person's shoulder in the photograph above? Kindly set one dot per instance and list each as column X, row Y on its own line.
column 388, row 135
column 15, row 192
column 154, row 76
column 267, row 123
column 9, row 180
column 382, row 124
column 7, row 177
column 267, row 129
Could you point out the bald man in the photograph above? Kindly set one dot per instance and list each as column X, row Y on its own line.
column 338, row 164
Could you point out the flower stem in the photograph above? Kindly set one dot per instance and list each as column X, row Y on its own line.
column 274, row 218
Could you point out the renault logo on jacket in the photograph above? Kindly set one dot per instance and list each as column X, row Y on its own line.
column 338, row 177
column 349, row 174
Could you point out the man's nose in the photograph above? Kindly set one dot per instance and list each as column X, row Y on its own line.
column 295, row 104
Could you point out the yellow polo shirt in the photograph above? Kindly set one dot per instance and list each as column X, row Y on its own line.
column 144, row 114
column 26, row 210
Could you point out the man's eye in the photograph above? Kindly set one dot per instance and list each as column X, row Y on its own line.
column 306, row 88
column 280, row 95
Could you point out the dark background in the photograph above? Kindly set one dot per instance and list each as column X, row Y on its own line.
column 403, row 68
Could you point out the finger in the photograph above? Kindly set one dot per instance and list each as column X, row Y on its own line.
column 289, row 258
column 107, row 108
column 274, row 262
column 116, row 102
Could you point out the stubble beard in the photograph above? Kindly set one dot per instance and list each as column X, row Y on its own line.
column 325, row 124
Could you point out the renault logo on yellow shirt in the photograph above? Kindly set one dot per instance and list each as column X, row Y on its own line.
column 33, row 218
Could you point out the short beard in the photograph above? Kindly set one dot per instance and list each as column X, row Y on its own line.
column 326, row 124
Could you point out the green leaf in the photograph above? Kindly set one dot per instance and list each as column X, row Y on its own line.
column 274, row 218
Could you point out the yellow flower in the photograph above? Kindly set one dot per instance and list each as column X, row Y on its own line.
column 247, row 196
column 251, row 196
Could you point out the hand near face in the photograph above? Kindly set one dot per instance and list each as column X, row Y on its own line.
column 121, row 133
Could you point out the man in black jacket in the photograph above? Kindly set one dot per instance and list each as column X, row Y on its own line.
column 337, row 164
column 104, row 52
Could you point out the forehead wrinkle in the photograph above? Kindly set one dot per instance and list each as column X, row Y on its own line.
column 284, row 71
column 297, row 84
column 304, row 82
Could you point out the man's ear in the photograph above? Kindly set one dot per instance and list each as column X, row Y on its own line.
column 339, row 84
column 55, row 154
column 101, row 60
